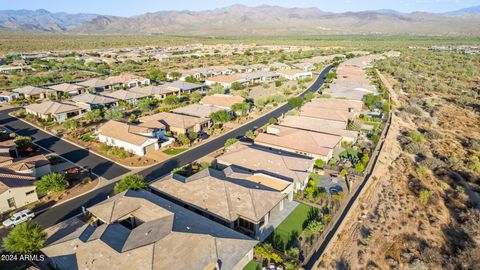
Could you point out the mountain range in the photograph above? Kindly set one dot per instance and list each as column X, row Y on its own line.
column 240, row 20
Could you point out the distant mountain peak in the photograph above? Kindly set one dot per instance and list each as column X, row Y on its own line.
column 238, row 19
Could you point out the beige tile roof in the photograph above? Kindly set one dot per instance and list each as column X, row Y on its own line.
column 291, row 71
column 125, row 95
column 172, row 238
column 224, row 101
column 299, row 140
column 11, row 179
column 124, row 132
column 152, row 90
column 172, row 120
column 311, row 110
column 228, row 197
column 318, row 125
column 66, row 87
column 338, row 104
column 30, row 90
column 124, row 78
column 96, row 83
column 226, row 78
column 275, row 162
column 93, row 99
column 197, row 110
column 52, row 107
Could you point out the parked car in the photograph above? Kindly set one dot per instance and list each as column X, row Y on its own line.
column 18, row 218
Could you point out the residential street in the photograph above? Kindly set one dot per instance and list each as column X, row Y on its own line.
column 82, row 157
column 111, row 170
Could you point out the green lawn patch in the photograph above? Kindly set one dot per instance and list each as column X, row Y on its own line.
column 253, row 265
column 288, row 231
column 174, row 151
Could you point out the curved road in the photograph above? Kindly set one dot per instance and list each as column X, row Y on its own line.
column 110, row 170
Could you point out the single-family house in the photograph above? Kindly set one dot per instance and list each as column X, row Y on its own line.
column 98, row 85
column 35, row 166
column 176, row 123
column 304, row 142
column 277, row 163
column 60, row 111
column 305, row 66
column 127, row 80
column 136, row 139
column 235, row 198
column 16, row 190
column 197, row 110
column 8, row 151
column 33, row 92
column 321, row 125
column 126, row 96
column 226, row 80
column 313, row 110
column 6, row 96
column 338, row 104
column 183, row 87
column 90, row 102
column 157, row 91
column 221, row 101
column 71, row 89
column 278, row 66
column 295, row 74
column 140, row 230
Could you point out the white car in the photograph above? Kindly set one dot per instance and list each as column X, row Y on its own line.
column 18, row 218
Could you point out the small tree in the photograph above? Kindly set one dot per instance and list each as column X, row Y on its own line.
column 272, row 121
column 71, row 124
column 343, row 172
column 278, row 83
column 195, row 97
column 249, row 134
column 25, row 238
column 319, row 163
column 183, row 139
column 220, row 117
column 230, row 142
column 171, row 100
column 191, row 79
column 192, row 135
column 114, row 114
column 359, row 167
column 175, row 75
column 156, row 74
column 236, row 86
column 425, row 196
column 133, row 181
column 146, row 104
column 93, row 116
column 295, row 102
column 53, row 182
column 23, row 142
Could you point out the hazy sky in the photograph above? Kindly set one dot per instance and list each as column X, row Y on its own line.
column 136, row 7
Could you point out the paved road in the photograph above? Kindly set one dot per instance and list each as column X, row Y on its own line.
column 73, row 153
column 73, row 207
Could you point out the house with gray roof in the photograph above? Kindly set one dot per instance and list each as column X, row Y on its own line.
column 139, row 230
column 98, row 85
column 92, row 101
column 233, row 197
column 70, row 89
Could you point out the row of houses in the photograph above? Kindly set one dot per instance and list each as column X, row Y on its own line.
column 17, row 175
column 150, row 133
column 244, row 195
